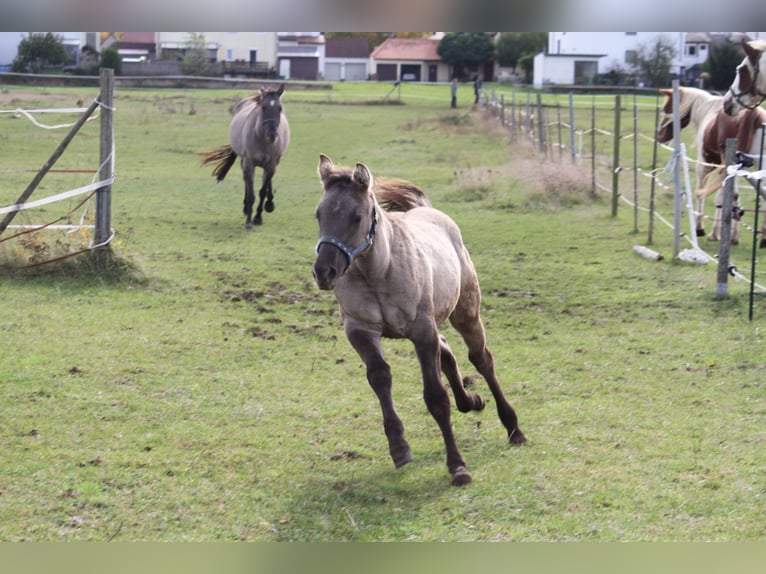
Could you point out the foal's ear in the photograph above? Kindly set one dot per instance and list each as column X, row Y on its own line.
column 325, row 166
column 281, row 89
column 362, row 176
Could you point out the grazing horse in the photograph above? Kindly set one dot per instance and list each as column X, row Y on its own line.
column 401, row 273
column 259, row 135
column 748, row 90
column 714, row 127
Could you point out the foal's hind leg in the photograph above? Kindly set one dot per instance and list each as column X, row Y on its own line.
column 464, row 401
column 469, row 325
column 428, row 348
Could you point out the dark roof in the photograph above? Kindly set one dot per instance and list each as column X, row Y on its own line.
column 346, row 48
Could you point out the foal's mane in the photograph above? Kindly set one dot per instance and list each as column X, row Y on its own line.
column 399, row 195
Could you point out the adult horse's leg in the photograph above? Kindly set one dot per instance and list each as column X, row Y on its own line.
column 248, row 169
column 266, row 194
column 700, row 215
column 466, row 320
column 464, row 401
column 367, row 345
column 428, row 348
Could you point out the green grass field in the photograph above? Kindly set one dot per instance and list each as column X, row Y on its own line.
column 202, row 388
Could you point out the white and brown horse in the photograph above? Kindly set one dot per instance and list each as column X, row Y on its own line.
column 259, row 135
column 401, row 273
column 748, row 90
column 713, row 127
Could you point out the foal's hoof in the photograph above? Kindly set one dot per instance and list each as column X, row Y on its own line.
column 269, row 207
column 249, row 225
column 517, row 437
column 700, row 232
column 461, row 477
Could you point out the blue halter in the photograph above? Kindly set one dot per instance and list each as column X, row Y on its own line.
column 351, row 254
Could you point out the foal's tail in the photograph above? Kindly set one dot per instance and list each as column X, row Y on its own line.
column 400, row 195
column 223, row 157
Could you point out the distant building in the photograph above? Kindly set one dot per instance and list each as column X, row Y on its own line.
column 410, row 60
column 582, row 57
column 346, row 59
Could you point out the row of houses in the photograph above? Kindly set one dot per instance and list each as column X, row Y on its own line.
column 569, row 58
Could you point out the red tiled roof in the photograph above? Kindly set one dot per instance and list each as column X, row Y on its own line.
column 407, row 49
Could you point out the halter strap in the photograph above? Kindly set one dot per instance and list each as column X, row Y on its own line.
column 753, row 91
column 351, row 254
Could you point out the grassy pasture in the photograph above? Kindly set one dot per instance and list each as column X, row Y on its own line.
column 205, row 391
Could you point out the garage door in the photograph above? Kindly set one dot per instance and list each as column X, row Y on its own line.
column 356, row 72
column 332, row 71
column 387, row 73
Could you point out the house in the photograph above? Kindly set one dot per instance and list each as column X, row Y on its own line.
column 241, row 54
column 346, row 60
column 139, row 47
column 409, row 59
column 301, row 55
column 579, row 57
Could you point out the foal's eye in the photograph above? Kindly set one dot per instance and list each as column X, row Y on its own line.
column 357, row 218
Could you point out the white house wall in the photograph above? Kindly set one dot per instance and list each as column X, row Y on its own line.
column 231, row 46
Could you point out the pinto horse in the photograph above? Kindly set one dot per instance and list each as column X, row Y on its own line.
column 748, row 90
column 259, row 135
column 401, row 273
column 714, row 127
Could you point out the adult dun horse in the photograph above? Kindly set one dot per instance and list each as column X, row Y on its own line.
column 748, row 89
column 401, row 273
column 713, row 127
column 259, row 134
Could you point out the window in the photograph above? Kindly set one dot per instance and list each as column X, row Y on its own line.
column 691, row 50
column 229, row 54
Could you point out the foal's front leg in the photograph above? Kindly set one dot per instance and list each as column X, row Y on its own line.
column 367, row 344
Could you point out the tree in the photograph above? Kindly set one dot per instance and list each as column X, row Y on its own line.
column 721, row 64
column 652, row 61
column 461, row 49
column 196, row 61
column 512, row 46
column 110, row 58
column 39, row 51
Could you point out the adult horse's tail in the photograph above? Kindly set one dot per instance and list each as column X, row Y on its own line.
column 223, row 157
column 400, row 195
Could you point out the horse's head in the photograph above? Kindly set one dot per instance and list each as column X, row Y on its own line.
column 271, row 111
column 665, row 131
column 748, row 90
column 347, row 218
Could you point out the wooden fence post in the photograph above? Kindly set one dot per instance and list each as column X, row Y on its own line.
column 103, row 227
column 728, row 193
